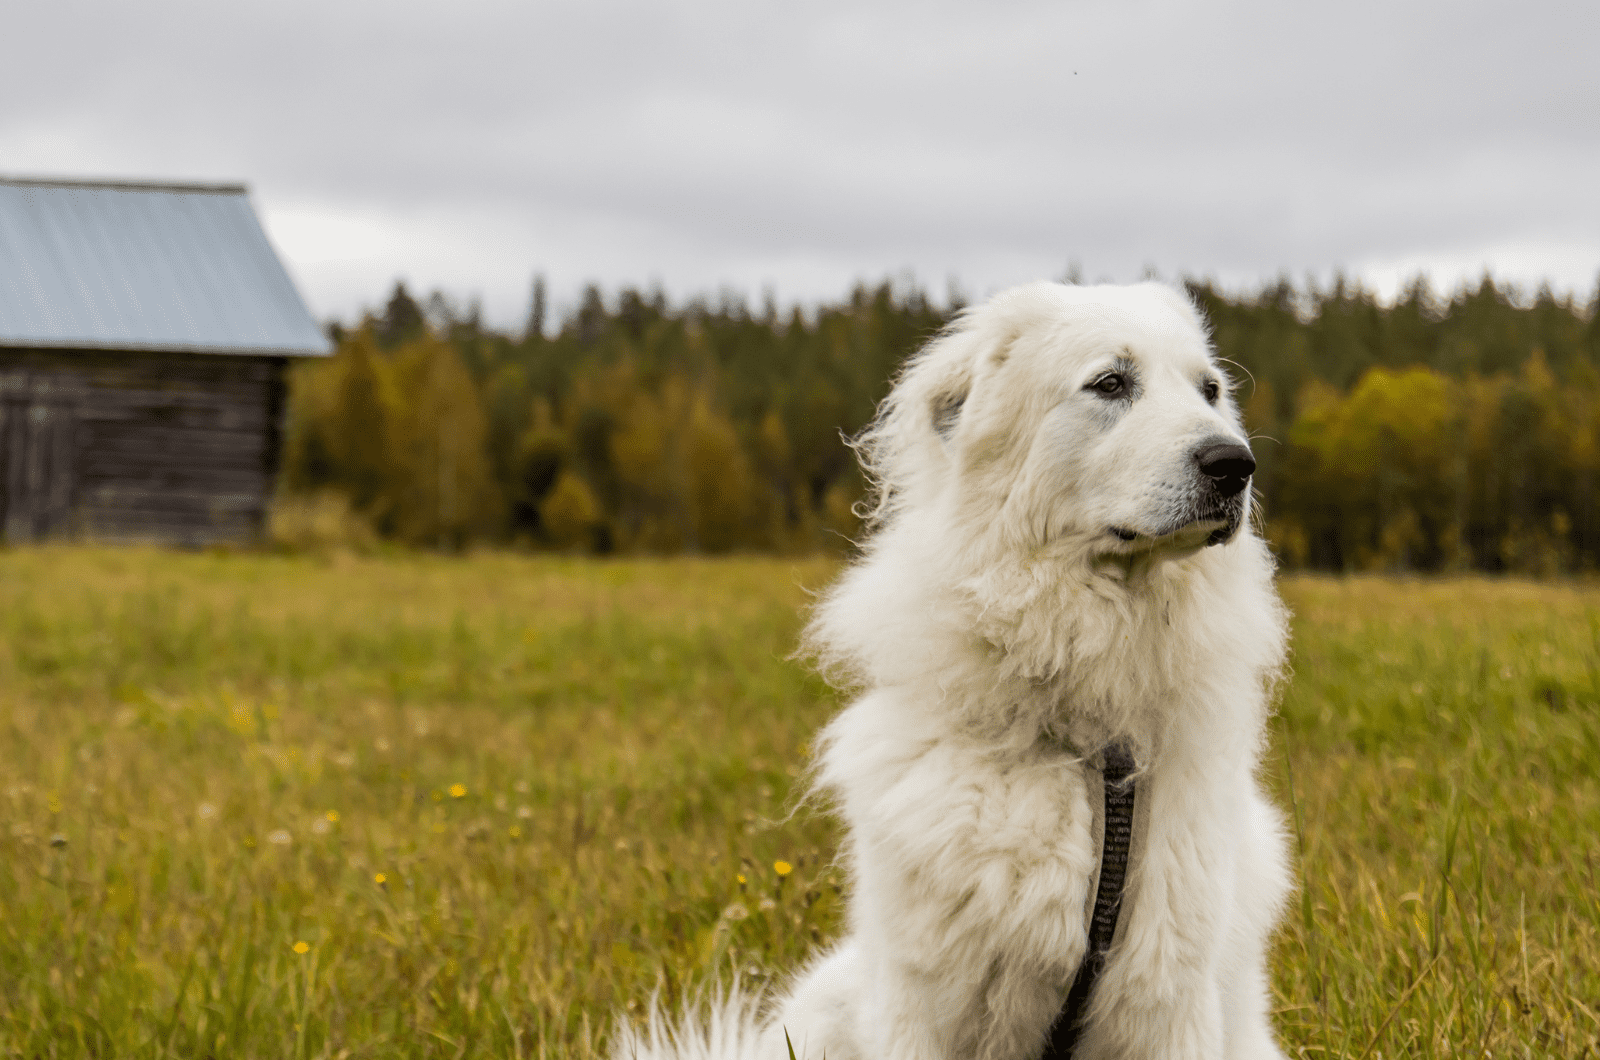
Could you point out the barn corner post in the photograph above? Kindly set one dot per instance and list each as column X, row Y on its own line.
column 145, row 335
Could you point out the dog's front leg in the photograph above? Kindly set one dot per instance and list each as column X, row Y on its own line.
column 854, row 1006
column 971, row 877
column 924, row 963
column 909, row 1014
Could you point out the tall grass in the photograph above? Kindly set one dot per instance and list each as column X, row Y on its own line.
column 1438, row 748
column 264, row 806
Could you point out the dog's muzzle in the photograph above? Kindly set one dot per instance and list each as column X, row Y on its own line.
column 1219, row 494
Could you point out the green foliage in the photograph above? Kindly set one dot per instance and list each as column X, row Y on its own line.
column 1368, row 465
column 569, row 513
column 702, row 429
column 402, row 434
column 499, row 800
column 402, row 320
column 441, row 486
column 1415, row 470
column 1425, row 435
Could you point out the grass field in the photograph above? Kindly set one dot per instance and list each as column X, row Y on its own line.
column 261, row 806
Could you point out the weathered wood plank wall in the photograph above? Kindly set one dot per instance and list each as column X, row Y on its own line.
column 170, row 447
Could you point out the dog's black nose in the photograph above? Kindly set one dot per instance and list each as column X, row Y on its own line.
column 1227, row 464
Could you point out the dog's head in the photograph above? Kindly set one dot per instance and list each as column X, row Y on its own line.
column 1091, row 418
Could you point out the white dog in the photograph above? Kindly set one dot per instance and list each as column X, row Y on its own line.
column 1060, row 561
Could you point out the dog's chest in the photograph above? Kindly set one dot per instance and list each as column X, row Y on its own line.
column 998, row 853
column 1038, row 812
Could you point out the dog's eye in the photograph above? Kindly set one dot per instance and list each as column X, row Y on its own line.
column 1212, row 390
column 1111, row 384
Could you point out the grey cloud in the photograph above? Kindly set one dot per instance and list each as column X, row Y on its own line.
column 829, row 141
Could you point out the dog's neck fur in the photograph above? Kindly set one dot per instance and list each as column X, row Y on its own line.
column 1018, row 650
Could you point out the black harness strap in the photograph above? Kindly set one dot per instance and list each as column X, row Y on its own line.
column 1107, row 902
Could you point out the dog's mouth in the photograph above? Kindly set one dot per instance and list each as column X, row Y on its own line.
column 1215, row 526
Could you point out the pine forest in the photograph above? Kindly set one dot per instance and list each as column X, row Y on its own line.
column 1433, row 433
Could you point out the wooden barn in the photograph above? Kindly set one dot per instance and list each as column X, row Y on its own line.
column 145, row 332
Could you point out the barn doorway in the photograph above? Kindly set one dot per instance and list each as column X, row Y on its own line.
column 38, row 469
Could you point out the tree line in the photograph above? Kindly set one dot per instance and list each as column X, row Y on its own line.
column 1430, row 433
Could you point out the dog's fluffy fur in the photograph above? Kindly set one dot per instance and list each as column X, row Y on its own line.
column 1048, row 572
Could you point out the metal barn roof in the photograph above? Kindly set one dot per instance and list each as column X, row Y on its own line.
column 133, row 266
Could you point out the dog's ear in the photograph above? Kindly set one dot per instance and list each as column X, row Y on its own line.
column 1000, row 351
column 991, row 353
column 946, row 410
column 971, row 353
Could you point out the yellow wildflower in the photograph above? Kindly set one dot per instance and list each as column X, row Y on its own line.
column 332, row 816
column 380, row 879
column 782, row 868
column 302, row 947
column 515, row 831
column 457, row 790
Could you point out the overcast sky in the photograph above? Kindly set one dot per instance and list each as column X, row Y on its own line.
column 804, row 146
